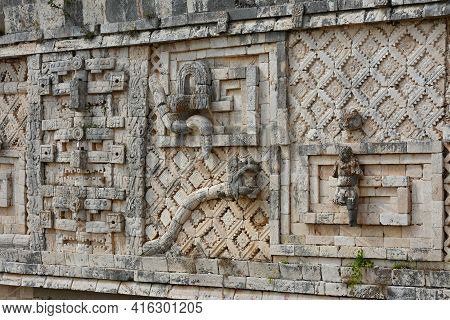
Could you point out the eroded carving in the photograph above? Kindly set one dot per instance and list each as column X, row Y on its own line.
column 347, row 171
column 185, row 102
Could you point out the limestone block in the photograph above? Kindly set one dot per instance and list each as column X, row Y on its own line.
column 437, row 188
column 179, row 278
column 330, row 273
column 421, row 254
column 311, row 272
column 401, row 293
column 396, row 242
column 290, row 271
column 367, row 291
column 35, row 281
column 107, row 286
column 161, row 277
column 426, row 294
column 306, row 250
column 260, row 284
column 117, row 154
column 48, row 270
column 414, row 170
column 233, row 268
column 395, row 219
column 181, row 264
column 403, row 200
column 437, row 163
column 70, row 271
column 5, row 190
column 282, row 250
column 207, row 266
column 336, row 289
column 395, row 181
column 128, row 262
column 104, row 260
column 396, row 254
column 284, row 285
column 304, row 287
column 446, row 133
column 234, row 282
column 440, row 279
column 58, row 283
column 344, row 241
column 206, row 280
column 97, row 204
column 442, row 294
column 408, row 278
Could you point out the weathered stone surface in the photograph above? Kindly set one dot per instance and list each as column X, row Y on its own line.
column 185, row 149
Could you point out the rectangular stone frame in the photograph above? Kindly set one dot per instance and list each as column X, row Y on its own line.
column 272, row 44
column 433, row 149
column 17, row 185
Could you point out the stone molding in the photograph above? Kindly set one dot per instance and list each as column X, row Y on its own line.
column 193, row 274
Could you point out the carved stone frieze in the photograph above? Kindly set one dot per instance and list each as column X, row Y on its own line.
column 394, row 77
column 241, row 182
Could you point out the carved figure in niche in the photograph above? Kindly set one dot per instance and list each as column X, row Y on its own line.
column 347, row 171
column 187, row 110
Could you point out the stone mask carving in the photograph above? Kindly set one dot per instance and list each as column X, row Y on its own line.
column 347, row 171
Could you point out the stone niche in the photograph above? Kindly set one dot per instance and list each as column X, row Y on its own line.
column 13, row 117
column 393, row 79
column 236, row 85
column 400, row 212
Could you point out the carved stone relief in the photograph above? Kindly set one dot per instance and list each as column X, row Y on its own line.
column 13, row 120
column 199, row 192
column 446, row 180
column 394, row 76
column 13, row 104
column 347, row 172
column 81, row 150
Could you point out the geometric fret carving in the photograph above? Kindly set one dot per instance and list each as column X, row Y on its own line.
column 393, row 76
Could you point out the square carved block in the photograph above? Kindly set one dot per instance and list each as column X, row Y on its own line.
column 118, row 154
column 47, row 153
column 115, row 222
column 46, row 219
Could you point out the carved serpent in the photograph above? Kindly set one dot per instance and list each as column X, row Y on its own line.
column 234, row 188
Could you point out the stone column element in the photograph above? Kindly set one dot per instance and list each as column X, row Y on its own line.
column 33, row 150
column 136, row 129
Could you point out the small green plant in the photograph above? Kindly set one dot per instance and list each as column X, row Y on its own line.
column 400, row 265
column 284, row 262
column 149, row 14
column 357, row 266
column 270, row 280
column 89, row 35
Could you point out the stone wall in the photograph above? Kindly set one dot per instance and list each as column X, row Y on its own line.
column 194, row 149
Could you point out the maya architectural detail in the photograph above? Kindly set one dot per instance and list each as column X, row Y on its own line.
column 225, row 149
column 347, row 171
